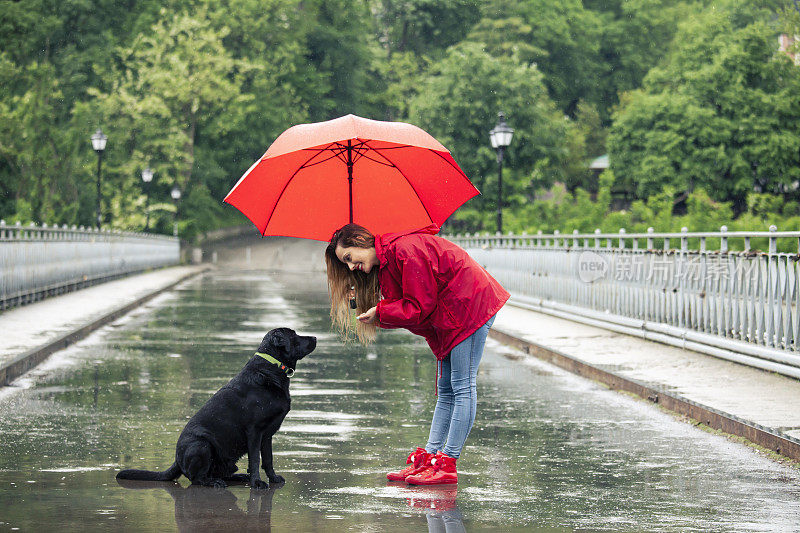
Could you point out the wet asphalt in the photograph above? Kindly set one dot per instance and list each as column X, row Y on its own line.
column 549, row 451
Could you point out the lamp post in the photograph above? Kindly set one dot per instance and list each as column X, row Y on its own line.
column 99, row 144
column 500, row 138
column 176, row 196
column 147, row 177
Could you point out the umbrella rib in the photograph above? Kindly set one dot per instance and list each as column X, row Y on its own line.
column 407, row 180
column 308, row 165
column 395, row 147
column 379, row 162
column 357, row 148
column 338, row 151
column 430, row 149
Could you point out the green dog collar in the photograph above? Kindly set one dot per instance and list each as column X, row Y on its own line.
column 268, row 357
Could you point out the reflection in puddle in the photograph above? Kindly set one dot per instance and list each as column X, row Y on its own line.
column 200, row 508
column 324, row 392
column 322, row 415
column 80, row 468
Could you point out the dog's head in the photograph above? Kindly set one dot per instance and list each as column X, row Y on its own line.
column 287, row 346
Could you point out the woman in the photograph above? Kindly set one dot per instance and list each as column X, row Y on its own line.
column 434, row 289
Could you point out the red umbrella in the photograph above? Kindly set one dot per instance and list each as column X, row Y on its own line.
column 386, row 176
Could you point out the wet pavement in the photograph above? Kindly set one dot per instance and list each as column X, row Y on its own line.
column 36, row 325
column 549, row 451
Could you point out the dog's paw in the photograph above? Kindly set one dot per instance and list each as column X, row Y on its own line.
column 259, row 484
column 276, row 479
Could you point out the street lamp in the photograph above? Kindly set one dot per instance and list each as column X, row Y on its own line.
column 176, row 196
column 99, row 144
column 147, row 177
column 500, row 138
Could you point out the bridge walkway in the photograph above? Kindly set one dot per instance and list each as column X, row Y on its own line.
column 740, row 400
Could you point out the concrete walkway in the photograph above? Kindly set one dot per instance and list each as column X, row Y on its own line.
column 31, row 332
column 756, row 398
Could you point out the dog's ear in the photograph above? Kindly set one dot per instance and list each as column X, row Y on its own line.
column 278, row 340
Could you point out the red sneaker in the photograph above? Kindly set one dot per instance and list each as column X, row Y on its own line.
column 442, row 471
column 418, row 460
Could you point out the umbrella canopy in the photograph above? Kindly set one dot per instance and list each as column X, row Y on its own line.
column 385, row 176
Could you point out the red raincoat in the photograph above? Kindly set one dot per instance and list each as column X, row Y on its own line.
column 433, row 288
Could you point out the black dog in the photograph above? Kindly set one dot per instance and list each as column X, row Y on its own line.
column 240, row 418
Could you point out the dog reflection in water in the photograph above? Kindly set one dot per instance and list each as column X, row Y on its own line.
column 199, row 508
column 441, row 510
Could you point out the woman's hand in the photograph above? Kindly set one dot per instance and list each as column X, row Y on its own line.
column 369, row 316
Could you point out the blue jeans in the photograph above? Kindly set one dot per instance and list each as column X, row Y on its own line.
column 458, row 395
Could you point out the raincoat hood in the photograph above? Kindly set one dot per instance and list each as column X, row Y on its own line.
column 385, row 239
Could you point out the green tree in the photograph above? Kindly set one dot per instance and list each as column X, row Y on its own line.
column 560, row 38
column 52, row 53
column 633, row 36
column 458, row 103
column 176, row 81
column 339, row 48
column 400, row 77
column 39, row 182
column 270, row 38
column 720, row 114
column 589, row 51
column 423, row 27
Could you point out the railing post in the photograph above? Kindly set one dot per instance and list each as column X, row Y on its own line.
column 650, row 243
column 682, row 318
column 723, row 241
column 773, row 241
column 622, row 238
column 684, row 239
column 772, row 315
column 597, row 239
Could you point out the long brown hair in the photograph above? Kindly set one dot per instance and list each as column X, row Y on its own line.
column 341, row 280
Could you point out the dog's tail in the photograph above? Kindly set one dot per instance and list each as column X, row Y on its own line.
column 169, row 474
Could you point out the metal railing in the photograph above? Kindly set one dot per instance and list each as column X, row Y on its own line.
column 37, row 261
column 740, row 305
